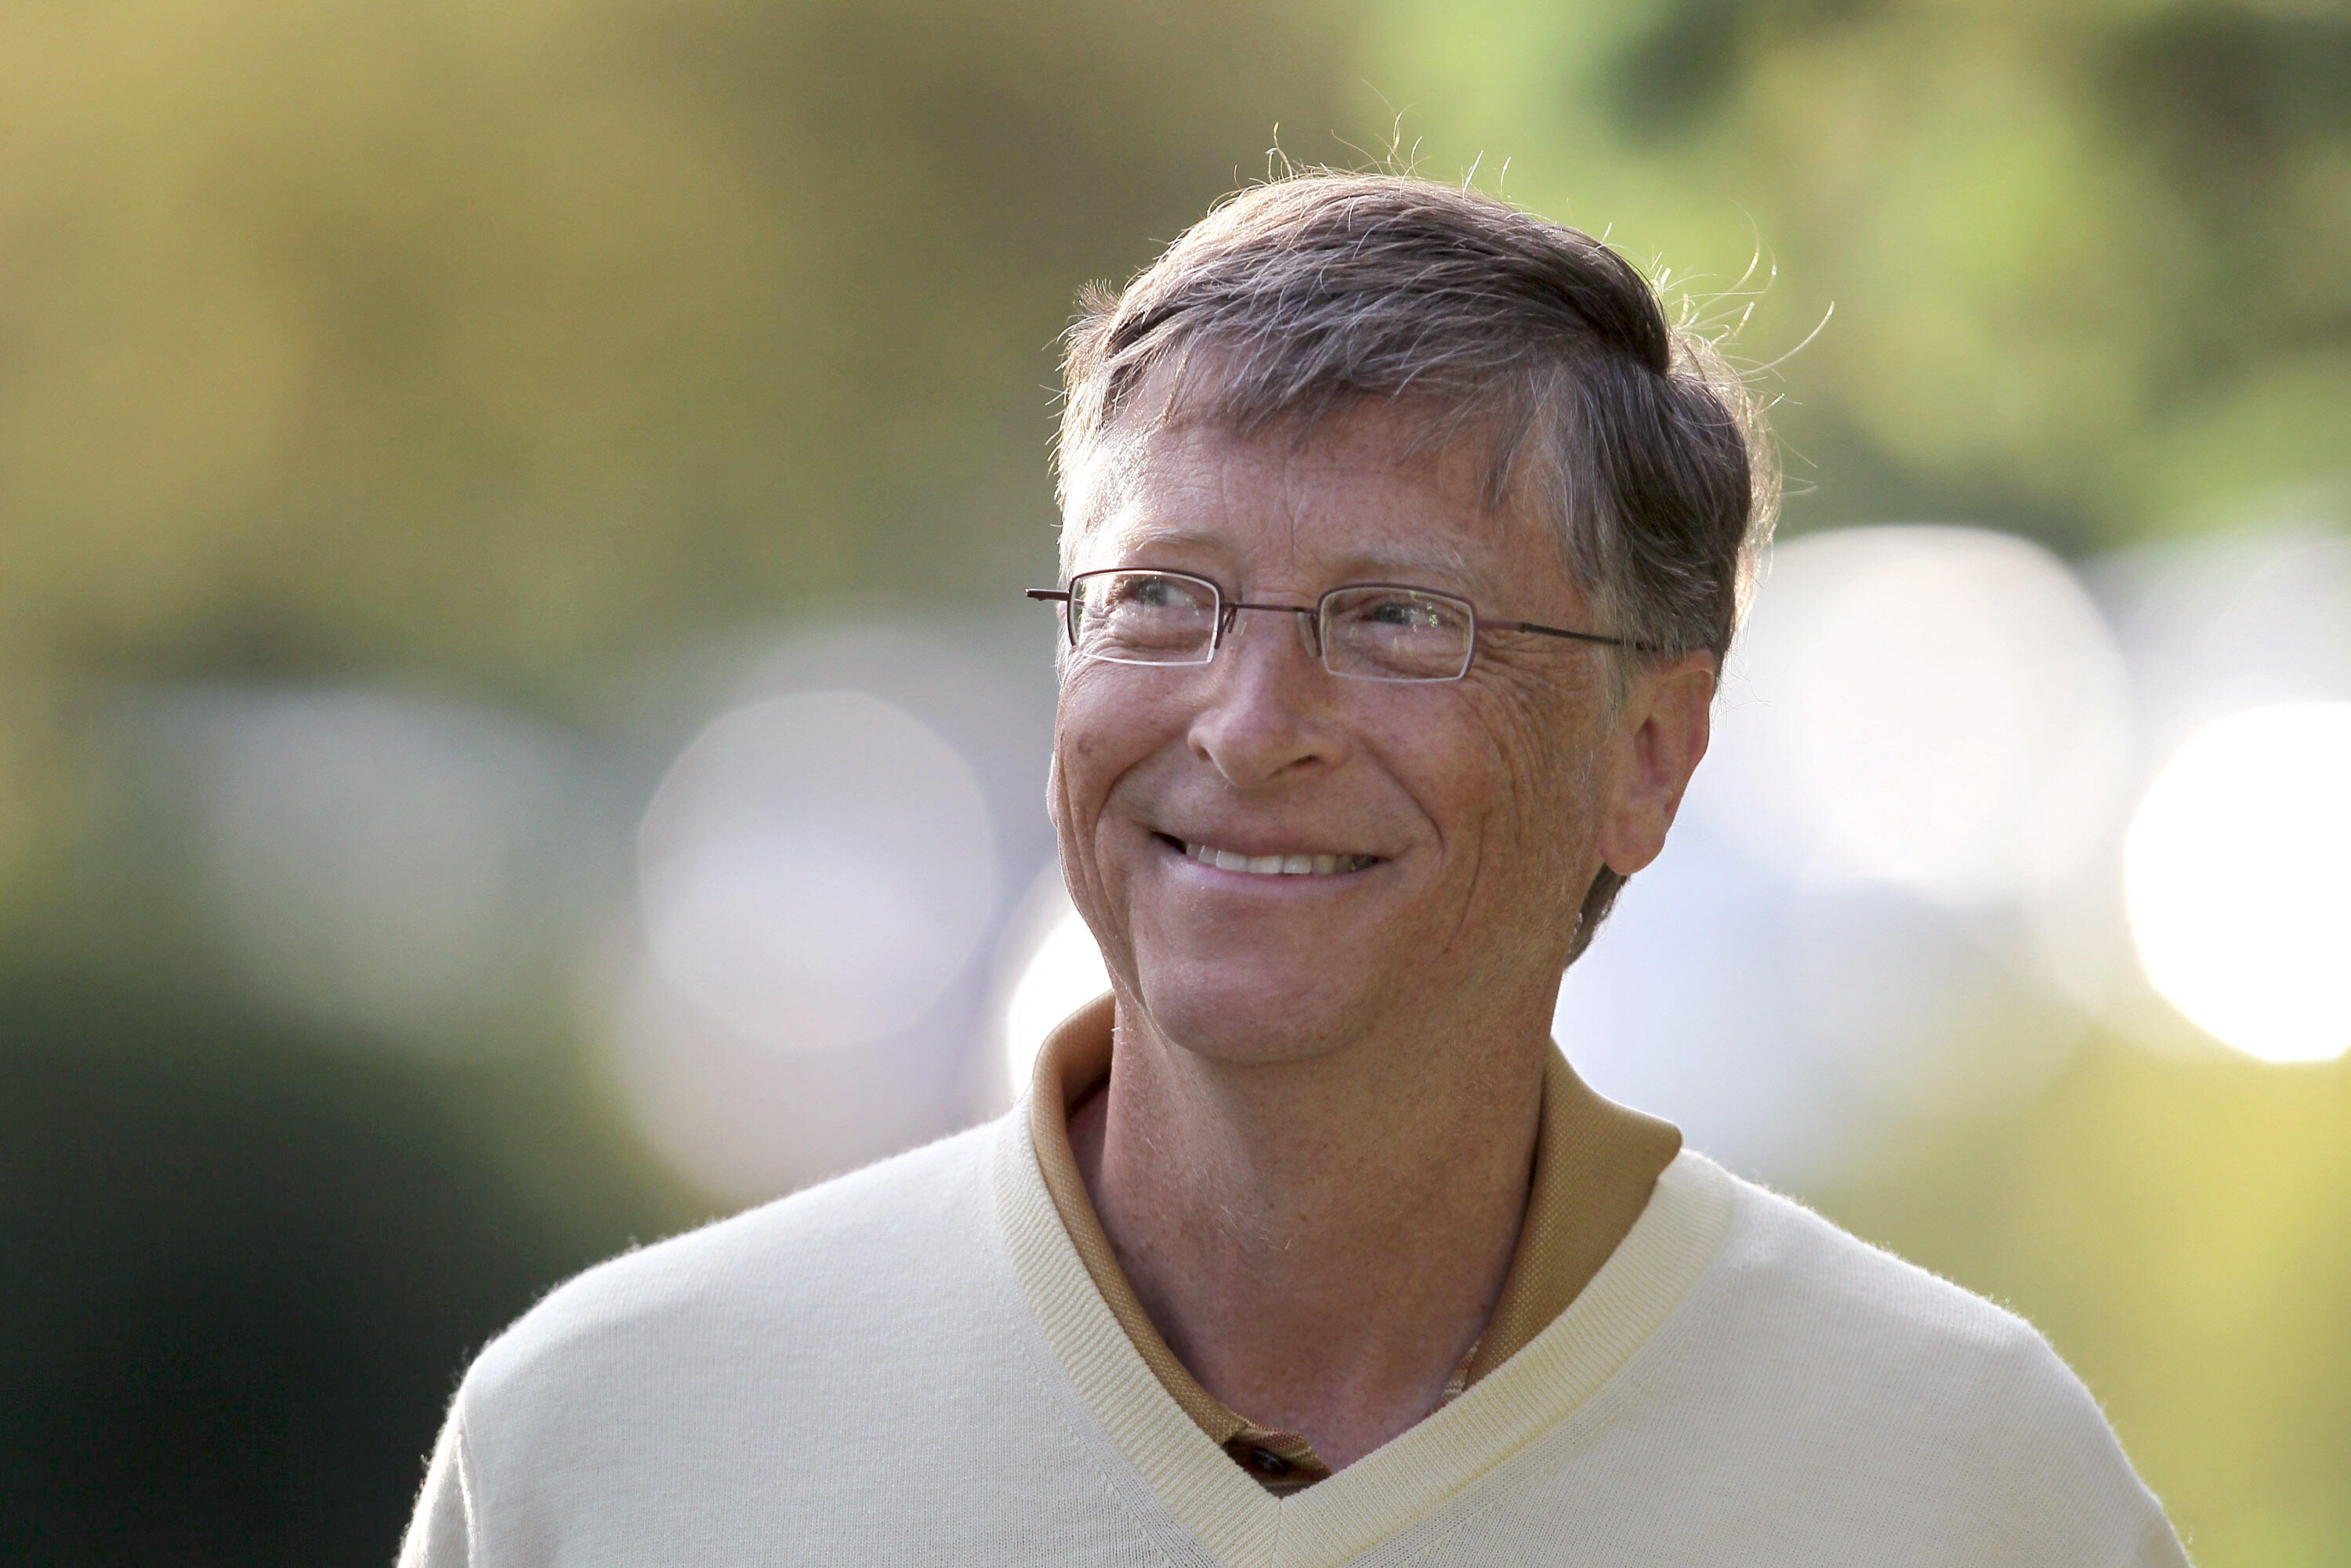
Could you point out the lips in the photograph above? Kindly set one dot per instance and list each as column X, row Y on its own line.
column 1304, row 864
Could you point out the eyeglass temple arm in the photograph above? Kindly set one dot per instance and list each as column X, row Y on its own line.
column 1563, row 631
column 1063, row 594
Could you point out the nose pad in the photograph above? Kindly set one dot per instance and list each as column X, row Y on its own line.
column 1310, row 625
column 1310, row 632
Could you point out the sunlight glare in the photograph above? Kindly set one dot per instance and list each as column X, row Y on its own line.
column 2233, row 873
column 1939, row 708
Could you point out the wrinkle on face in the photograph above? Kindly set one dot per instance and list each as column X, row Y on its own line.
column 1479, row 790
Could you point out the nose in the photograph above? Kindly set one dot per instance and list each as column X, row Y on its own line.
column 1264, row 712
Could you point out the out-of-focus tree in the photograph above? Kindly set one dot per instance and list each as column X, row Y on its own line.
column 2087, row 261
column 494, row 339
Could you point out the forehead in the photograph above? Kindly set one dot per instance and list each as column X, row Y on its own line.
column 1364, row 489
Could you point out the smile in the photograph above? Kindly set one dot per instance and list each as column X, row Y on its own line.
column 1275, row 865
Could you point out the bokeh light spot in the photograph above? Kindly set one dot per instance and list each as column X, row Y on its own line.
column 1938, row 709
column 816, row 870
column 406, row 867
column 2234, row 872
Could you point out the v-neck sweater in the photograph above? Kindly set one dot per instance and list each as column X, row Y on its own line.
column 912, row 1364
column 1548, row 1265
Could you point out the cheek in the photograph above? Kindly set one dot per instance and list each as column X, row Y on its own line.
column 1099, row 735
column 1537, row 767
column 1076, row 793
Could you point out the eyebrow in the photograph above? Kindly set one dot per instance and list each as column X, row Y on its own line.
column 1435, row 557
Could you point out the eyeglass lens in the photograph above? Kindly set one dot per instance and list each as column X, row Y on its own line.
column 1370, row 632
column 1143, row 618
column 1396, row 634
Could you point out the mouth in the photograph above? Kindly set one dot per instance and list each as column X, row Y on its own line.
column 1296, row 863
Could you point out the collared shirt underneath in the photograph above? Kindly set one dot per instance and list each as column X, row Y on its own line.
column 1551, row 1264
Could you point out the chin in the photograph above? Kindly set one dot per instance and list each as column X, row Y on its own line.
column 1252, row 1010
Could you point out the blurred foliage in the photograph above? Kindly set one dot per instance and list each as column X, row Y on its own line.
column 2086, row 260
column 433, row 333
column 484, row 347
column 243, row 1271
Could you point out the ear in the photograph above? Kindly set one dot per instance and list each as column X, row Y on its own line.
column 1660, row 733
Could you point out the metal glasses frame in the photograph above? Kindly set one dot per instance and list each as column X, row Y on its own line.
column 1228, row 614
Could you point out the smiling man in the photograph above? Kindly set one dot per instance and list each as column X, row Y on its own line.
column 1404, row 538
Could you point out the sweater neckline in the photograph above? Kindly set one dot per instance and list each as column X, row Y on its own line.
column 1555, row 1374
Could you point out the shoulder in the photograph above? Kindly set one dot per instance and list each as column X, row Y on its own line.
column 1908, row 1387
column 779, row 1282
column 772, row 1372
column 1819, row 1287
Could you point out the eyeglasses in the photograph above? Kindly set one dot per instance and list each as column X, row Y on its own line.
column 1364, row 631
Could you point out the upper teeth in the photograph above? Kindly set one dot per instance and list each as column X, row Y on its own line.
column 1276, row 865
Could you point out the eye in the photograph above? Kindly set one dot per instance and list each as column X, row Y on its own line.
column 1406, row 613
column 1400, row 612
column 1160, row 593
column 1138, row 590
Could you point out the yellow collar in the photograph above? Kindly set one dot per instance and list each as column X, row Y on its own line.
column 1581, row 1202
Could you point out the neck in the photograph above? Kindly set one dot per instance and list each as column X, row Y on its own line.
column 1320, row 1241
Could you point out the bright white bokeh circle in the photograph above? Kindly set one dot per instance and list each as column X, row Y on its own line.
column 1052, row 968
column 1938, row 708
column 816, row 870
column 2235, row 872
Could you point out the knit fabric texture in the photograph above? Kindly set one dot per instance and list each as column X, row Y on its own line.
column 911, row 1364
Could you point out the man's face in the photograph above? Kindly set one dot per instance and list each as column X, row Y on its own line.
column 1466, row 817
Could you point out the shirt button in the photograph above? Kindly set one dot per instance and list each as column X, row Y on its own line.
column 1265, row 1461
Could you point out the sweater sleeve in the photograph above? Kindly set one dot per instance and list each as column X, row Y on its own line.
column 439, row 1534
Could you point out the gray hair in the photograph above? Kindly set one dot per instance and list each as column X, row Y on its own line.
column 1299, row 299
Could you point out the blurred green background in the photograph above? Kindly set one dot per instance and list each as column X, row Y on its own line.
column 498, row 353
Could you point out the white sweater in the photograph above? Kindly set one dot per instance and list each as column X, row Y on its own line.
column 910, row 1364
